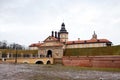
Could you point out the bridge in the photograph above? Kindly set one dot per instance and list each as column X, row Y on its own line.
column 30, row 60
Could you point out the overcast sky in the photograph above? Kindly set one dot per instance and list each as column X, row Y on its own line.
column 30, row 21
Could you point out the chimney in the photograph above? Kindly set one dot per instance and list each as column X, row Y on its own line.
column 58, row 35
column 52, row 34
column 55, row 34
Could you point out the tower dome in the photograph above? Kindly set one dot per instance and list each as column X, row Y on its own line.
column 63, row 34
column 63, row 30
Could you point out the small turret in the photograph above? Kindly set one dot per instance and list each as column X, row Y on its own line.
column 94, row 36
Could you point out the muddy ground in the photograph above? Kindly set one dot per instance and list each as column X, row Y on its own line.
column 52, row 72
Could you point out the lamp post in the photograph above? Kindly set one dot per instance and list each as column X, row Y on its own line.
column 16, row 55
column 16, row 47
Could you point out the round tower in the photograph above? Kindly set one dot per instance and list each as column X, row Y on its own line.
column 63, row 34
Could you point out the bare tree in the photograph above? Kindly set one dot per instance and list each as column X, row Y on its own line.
column 5, row 45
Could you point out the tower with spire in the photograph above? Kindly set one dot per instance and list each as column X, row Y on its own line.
column 94, row 36
column 63, row 34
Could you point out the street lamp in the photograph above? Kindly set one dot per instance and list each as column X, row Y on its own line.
column 16, row 55
column 15, row 46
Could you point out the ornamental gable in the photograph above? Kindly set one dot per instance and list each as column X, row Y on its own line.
column 50, row 39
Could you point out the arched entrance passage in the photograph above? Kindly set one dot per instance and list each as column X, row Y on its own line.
column 39, row 62
column 49, row 53
column 48, row 62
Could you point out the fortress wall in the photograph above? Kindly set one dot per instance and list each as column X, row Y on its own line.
column 57, row 60
column 92, row 61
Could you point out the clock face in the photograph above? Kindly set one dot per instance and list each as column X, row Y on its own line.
column 63, row 36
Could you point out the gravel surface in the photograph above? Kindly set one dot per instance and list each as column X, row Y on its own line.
column 52, row 72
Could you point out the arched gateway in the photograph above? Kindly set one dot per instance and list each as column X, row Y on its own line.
column 49, row 53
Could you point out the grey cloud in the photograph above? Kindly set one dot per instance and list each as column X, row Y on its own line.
column 39, row 17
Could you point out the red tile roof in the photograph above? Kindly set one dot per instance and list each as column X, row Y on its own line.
column 88, row 41
column 35, row 44
column 73, row 42
column 53, row 39
column 40, row 45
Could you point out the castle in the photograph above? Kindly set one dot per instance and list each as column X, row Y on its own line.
column 54, row 45
column 54, row 49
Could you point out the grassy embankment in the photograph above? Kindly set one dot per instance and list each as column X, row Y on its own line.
column 112, row 50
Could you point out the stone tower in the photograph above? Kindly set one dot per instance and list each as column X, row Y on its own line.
column 63, row 34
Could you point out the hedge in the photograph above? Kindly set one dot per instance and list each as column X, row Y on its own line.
column 18, row 51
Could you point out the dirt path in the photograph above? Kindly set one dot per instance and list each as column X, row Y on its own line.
column 52, row 72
